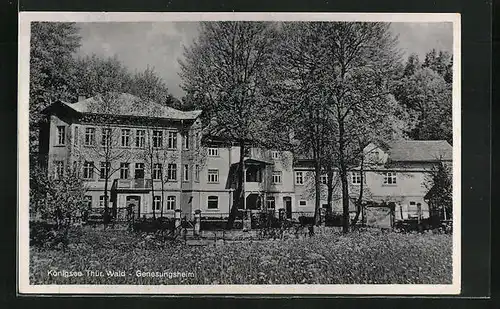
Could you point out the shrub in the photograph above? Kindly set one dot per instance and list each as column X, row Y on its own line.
column 333, row 219
column 153, row 225
column 265, row 220
column 48, row 235
column 303, row 220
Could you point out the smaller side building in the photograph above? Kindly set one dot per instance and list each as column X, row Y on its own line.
column 399, row 172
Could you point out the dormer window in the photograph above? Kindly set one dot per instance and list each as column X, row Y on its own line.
column 61, row 135
column 275, row 155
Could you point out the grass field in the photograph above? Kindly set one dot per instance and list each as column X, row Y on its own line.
column 358, row 258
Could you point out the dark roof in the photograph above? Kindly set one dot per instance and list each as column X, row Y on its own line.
column 257, row 161
column 124, row 104
column 420, row 151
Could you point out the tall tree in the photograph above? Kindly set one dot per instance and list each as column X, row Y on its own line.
column 111, row 149
column 428, row 97
column 362, row 60
column 52, row 45
column 225, row 71
column 147, row 84
column 95, row 75
column 440, row 62
column 300, row 93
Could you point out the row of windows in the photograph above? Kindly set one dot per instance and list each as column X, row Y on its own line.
column 140, row 139
column 212, row 202
column 214, row 152
column 124, row 171
column 125, row 139
column 170, row 203
column 212, row 175
column 390, row 178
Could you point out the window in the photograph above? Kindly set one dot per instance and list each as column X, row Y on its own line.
column 106, row 137
column 172, row 140
column 277, row 176
column 213, row 152
column 59, row 169
column 197, row 173
column 254, row 174
column 302, row 203
column 88, row 170
column 157, row 139
column 105, row 166
column 157, row 168
column 270, row 202
column 88, row 201
column 299, row 178
column 140, row 138
column 186, row 172
column 157, row 203
column 356, row 178
column 390, row 178
column 170, row 202
column 213, row 202
column 124, row 169
column 186, row 141
column 412, row 207
column 75, row 136
column 372, row 157
column 61, row 135
column 213, row 176
column 139, row 171
column 102, row 198
column 172, row 172
column 323, row 178
column 275, row 154
column 125, row 137
column 89, row 136
column 197, row 139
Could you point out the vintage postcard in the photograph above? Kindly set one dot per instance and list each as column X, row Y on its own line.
column 239, row 153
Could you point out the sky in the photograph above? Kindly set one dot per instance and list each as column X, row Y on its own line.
column 160, row 44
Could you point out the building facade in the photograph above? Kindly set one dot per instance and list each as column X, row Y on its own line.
column 155, row 159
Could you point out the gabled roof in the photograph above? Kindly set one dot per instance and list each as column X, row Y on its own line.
column 124, row 104
column 420, row 151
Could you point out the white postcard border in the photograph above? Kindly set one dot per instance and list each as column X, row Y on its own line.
column 24, row 287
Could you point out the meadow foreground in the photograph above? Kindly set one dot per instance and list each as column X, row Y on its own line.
column 96, row 256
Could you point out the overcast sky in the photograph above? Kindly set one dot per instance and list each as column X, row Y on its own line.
column 159, row 45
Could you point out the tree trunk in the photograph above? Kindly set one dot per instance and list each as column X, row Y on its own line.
column 343, row 180
column 153, row 186
column 329, row 196
column 239, row 195
column 359, row 201
column 162, row 196
column 317, row 187
column 106, row 199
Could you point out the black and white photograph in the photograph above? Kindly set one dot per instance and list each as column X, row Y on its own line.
column 239, row 153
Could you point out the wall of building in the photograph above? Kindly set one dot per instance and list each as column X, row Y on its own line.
column 192, row 194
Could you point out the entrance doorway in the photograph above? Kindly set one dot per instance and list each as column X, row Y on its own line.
column 287, row 201
column 133, row 204
column 253, row 201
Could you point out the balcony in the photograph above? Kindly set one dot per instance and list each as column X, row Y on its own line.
column 132, row 184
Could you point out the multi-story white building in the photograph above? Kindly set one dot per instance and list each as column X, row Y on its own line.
column 158, row 161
